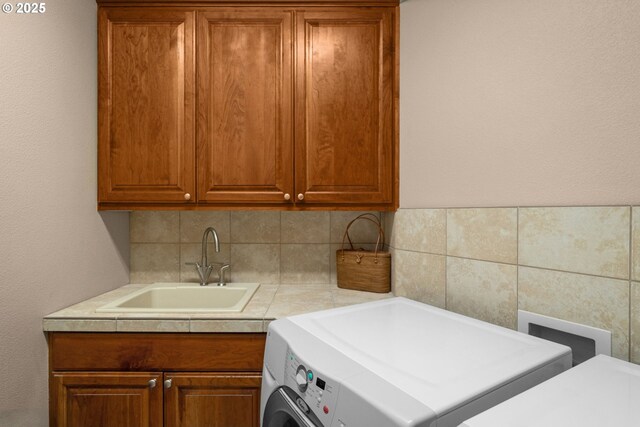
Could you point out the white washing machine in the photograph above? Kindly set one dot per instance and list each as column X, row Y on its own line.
column 602, row 391
column 396, row 362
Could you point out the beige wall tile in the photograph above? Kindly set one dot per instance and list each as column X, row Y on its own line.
column 483, row 290
column 419, row 276
column 591, row 240
column 154, row 227
column 305, row 227
column 594, row 301
column 362, row 231
column 255, row 263
column 192, row 252
column 388, row 219
column 305, row 263
column 489, row 234
column 635, row 322
column 155, row 262
column 193, row 224
column 255, row 227
column 635, row 243
column 421, row 230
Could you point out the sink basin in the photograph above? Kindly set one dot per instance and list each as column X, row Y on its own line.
column 182, row 297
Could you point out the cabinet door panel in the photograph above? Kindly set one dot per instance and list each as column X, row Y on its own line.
column 213, row 400
column 245, row 106
column 146, row 105
column 106, row 400
column 345, row 143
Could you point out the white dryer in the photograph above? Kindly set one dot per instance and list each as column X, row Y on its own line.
column 602, row 391
column 396, row 362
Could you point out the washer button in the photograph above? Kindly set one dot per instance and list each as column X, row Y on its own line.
column 325, row 409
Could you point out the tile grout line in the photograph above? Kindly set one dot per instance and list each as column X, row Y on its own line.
column 180, row 260
column 630, row 279
column 280, row 249
column 517, row 264
column 446, row 263
column 230, row 246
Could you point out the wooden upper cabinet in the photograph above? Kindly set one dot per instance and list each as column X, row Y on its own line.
column 253, row 106
column 146, row 121
column 213, row 400
column 106, row 399
column 245, row 150
column 346, row 150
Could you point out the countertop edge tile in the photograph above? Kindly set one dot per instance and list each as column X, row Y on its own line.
column 153, row 325
column 79, row 325
column 227, row 325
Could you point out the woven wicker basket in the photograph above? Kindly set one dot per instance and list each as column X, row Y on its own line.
column 361, row 269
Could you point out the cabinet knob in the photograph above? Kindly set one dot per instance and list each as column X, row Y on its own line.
column 167, row 383
column 287, row 196
column 152, row 383
column 187, row 196
column 300, row 196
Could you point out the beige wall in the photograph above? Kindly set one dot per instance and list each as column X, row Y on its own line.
column 519, row 103
column 55, row 248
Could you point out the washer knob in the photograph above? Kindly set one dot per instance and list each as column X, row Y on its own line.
column 301, row 378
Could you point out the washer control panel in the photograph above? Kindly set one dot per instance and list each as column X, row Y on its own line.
column 317, row 392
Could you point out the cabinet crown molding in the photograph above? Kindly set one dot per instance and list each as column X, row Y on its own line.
column 301, row 3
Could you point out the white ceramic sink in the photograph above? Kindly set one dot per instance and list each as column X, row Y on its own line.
column 183, row 297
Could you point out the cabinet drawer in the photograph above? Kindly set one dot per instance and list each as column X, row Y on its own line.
column 155, row 352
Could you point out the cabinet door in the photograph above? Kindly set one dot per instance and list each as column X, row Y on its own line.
column 116, row 399
column 213, row 400
column 346, row 145
column 146, row 99
column 245, row 106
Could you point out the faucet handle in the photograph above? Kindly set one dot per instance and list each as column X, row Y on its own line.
column 221, row 271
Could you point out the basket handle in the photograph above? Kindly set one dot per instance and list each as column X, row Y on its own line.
column 369, row 217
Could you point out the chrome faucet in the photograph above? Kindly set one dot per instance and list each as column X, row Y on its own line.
column 203, row 267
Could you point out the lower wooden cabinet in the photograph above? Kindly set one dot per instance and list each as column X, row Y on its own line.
column 212, row 400
column 155, row 380
column 110, row 399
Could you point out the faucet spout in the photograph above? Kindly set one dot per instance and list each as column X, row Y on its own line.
column 203, row 267
column 209, row 231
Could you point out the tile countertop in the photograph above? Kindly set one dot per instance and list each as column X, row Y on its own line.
column 270, row 302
